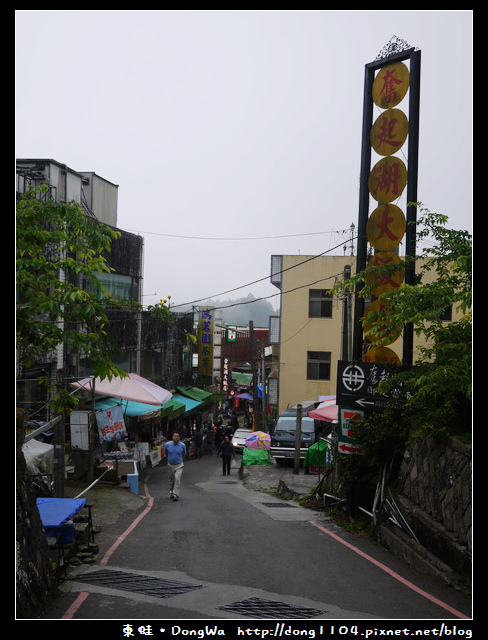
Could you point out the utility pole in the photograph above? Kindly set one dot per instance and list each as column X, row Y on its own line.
column 263, row 396
column 59, row 448
column 298, row 440
column 346, row 318
column 256, row 414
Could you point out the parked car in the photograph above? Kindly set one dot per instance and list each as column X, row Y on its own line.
column 239, row 439
column 284, row 433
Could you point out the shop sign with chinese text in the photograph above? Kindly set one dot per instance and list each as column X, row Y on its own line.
column 205, row 341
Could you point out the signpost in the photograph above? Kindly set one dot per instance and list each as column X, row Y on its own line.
column 357, row 384
column 346, row 443
column 357, row 393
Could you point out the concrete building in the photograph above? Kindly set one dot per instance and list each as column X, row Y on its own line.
column 145, row 345
column 96, row 195
column 314, row 329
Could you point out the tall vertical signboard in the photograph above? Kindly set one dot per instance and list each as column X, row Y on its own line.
column 390, row 131
column 205, row 344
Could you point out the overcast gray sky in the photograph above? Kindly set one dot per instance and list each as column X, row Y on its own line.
column 225, row 130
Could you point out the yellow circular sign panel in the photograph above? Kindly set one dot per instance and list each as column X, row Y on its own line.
column 385, row 227
column 376, row 327
column 390, row 85
column 387, row 179
column 389, row 132
column 384, row 355
column 383, row 273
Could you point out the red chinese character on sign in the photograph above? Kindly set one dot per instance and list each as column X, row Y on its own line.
column 389, row 90
column 383, row 229
column 386, row 179
column 387, row 133
column 383, row 259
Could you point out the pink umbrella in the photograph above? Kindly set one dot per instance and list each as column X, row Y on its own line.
column 133, row 387
column 258, row 440
column 327, row 411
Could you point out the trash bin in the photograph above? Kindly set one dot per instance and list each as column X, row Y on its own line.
column 133, row 481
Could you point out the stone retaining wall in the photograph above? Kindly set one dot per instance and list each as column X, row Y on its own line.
column 435, row 495
column 436, row 477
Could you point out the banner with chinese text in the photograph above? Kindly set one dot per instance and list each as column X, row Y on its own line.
column 111, row 424
column 205, row 343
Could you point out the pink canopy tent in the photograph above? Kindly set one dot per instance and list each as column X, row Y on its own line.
column 133, row 387
column 327, row 411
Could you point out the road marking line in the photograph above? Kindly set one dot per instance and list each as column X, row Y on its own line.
column 392, row 573
column 84, row 594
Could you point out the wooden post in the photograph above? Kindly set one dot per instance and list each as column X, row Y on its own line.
column 298, row 440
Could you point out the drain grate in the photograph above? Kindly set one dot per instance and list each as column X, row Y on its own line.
column 147, row 585
column 278, row 504
column 259, row 608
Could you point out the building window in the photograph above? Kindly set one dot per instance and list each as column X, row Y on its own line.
column 446, row 316
column 118, row 286
column 319, row 303
column 318, row 365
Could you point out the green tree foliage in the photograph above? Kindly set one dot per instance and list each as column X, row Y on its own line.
column 433, row 397
column 435, row 394
column 59, row 249
column 437, row 390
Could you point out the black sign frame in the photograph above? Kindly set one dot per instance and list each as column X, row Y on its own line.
column 357, row 384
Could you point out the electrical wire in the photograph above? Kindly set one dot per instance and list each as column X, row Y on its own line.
column 172, row 235
column 187, row 304
column 302, row 286
column 265, row 278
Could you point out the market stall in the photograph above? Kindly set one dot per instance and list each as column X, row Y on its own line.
column 256, row 450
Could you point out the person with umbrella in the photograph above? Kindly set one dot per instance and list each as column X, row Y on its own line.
column 226, row 451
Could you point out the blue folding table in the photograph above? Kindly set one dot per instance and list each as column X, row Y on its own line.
column 56, row 516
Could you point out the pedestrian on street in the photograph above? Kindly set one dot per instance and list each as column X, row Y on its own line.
column 198, row 439
column 226, row 451
column 209, row 439
column 234, row 420
column 229, row 431
column 175, row 454
column 218, row 430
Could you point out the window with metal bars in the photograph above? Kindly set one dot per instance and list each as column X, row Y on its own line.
column 319, row 303
column 318, row 365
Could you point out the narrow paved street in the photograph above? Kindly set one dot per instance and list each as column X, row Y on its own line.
column 227, row 552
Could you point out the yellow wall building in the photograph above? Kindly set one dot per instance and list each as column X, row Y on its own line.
column 314, row 327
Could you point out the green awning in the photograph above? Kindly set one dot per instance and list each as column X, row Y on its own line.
column 188, row 403
column 244, row 379
column 172, row 409
column 195, row 394
column 134, row 409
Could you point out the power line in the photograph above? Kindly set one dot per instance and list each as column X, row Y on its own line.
column 172, row 235
column 261, row 279
column 302, row 286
